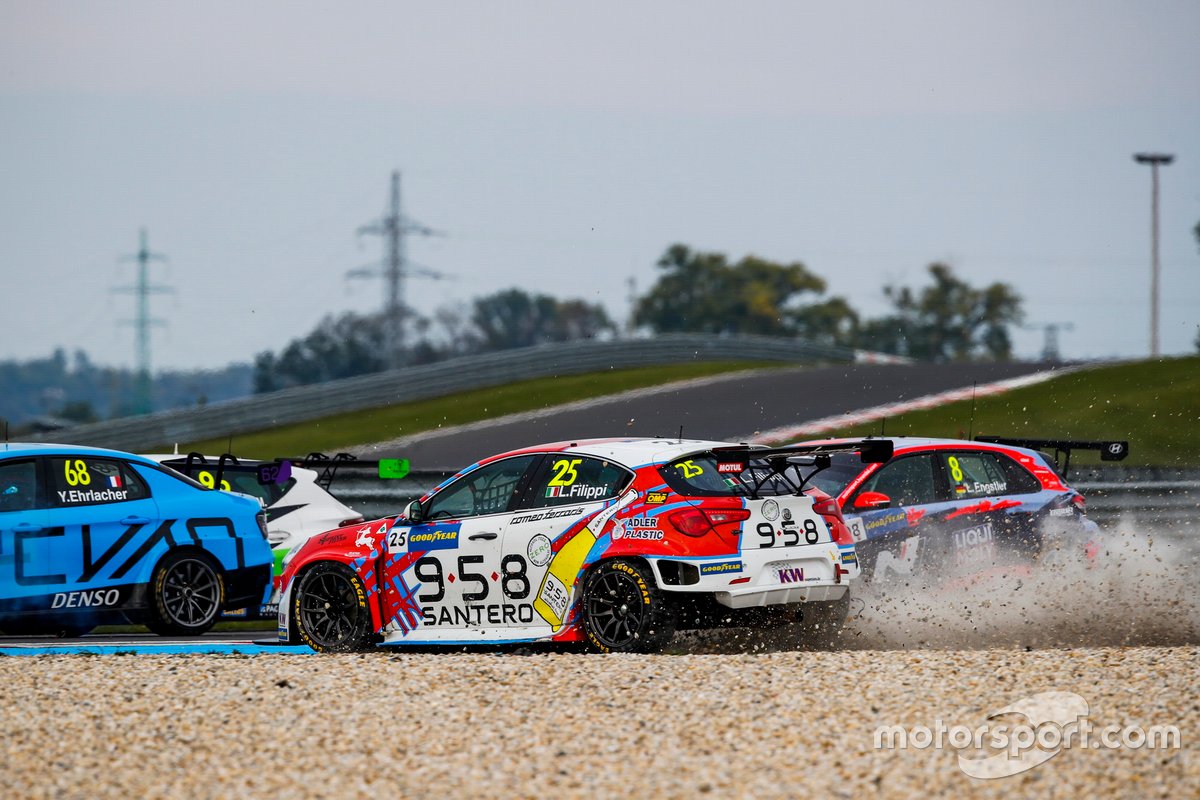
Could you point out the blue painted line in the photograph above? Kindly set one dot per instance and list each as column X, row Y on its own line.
column 197, row 648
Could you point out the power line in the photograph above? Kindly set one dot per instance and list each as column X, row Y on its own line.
column 393, row 227
column 143, row 321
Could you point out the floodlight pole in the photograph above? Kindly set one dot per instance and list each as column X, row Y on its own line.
column 1153, row 159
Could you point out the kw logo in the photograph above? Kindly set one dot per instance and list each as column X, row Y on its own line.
column 794, row 575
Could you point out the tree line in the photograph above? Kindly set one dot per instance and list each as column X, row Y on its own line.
column 695, row 292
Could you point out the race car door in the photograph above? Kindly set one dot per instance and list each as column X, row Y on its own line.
column 989, row 493
column 547, row 540
column 27, row 549
column 886, row 541
column 452, row 560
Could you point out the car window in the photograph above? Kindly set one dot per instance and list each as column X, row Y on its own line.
column 18, row 485
column 491, row 489
column 908, row 481
column 843, row 468
column 1020, row 481
column 566, row 479
column 81, row 480
column 975, row 475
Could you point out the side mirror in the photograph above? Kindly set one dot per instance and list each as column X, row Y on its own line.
column 871, row 501
column 415, row 512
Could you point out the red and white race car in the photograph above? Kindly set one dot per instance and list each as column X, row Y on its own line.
column 618, row 542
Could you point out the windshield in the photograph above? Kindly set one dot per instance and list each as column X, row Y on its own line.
column 845, row 468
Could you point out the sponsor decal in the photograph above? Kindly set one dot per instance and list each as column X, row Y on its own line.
column 541, row 515
column 538, row 550
column 974, row 545
column 554, row 595
column 849, row 557
column 656, row 498
column 625, row 529
column 731, row 467
column 92, row 599
column 790, row 575
column 331, row 538
column 364, row 537
column 787, row 515
column 770, row 510
column 494, row 614
column 578, row 491
column 887, row 520
column 93, row 495
column 437, row 538
column 720, row 567
column 237, row 612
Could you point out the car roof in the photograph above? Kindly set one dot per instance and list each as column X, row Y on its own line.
column 15, row 449
column 911, row 444
column 632, row 451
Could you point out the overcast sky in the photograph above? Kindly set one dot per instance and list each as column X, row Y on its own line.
column 562, row 147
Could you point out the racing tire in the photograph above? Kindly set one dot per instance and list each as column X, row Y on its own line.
column 187, row 593
column 822, row 623
column 624, row 611
column 329, row 609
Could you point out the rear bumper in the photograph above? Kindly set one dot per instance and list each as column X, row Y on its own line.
column 815, row 573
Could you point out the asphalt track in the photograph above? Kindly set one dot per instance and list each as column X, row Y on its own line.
column 724, row 409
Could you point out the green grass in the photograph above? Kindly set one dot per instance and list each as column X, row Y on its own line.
column 1153, row 404
column 389, row 422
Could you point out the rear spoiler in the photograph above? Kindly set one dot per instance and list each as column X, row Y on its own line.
column 1109, row 450
column 870, row 451
column 279, row 470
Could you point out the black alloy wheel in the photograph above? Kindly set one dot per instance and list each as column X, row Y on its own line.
column 623, row 610
column 187, row 595
column 330, row 609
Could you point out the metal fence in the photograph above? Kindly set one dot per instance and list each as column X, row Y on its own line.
column 304, row 403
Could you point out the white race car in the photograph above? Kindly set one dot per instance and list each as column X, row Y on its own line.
column 297, row 507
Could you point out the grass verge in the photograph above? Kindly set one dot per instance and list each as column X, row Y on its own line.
column 1153, row 404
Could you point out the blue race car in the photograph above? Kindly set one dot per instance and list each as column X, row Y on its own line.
column 91, row 537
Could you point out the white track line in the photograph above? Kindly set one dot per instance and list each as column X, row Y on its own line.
column 825, row 424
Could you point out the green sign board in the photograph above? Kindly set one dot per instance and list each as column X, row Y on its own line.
column 393, row 468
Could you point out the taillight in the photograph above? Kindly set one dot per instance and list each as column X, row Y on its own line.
column 351, row 521
column 690, row 521
column 1080, row 503
column 828, row 507
column 261, row 518
column 718, row 516
column 698, row 522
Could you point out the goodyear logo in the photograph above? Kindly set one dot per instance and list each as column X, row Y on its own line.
column 435, row 539
column 849, row 557
column 720, row 567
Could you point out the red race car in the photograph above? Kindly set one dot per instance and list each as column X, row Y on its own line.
column 618, row 542
column 949, row 509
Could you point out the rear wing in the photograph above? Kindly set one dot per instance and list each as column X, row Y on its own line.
column 279, row 470
column 1109, row 450
column 735, row 461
